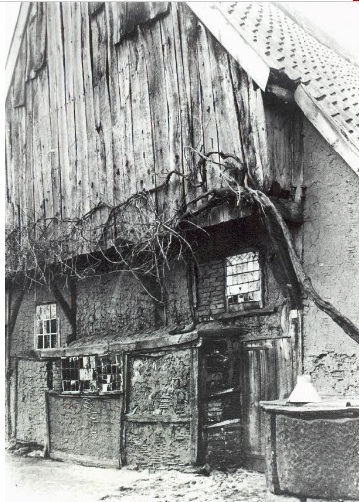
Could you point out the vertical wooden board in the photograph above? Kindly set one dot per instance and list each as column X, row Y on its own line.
column 54, row 154
column 37, row 170
column 10, row 165
column 45, row 138
column 188, row 30
column 69, row 105
column 158, row 103
column 28, row 208
column 115, row 98
column 80, row 113
column 173, row 193
column 209, row 123
column 18, row 84
column 183, row 82
column 194, row 405
column 58, row 55
column 128, row 170
column 279, row 134
column 225, row 111
column 254, row 394
column 91, row 191
column 141, row 116
column 284, row 367
column 103, row 119
column 260, row 170
column 20, row 159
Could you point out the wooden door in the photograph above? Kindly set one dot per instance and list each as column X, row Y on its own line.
column 267, row 374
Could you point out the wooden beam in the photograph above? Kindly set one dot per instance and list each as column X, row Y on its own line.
column 194, row 406
column 15, row 311
column 69, row 311
column 291, row 211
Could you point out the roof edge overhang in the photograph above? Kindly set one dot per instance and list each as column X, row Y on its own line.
column 328, row 129
column 223, row 29
column 218, row 22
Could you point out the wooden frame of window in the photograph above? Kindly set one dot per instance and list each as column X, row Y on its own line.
column 92, row 374
column 46, row 326
column 244, row 281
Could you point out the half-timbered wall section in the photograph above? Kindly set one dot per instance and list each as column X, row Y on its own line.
column 108, row 98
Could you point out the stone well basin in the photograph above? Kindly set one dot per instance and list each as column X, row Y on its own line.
column 312, row 450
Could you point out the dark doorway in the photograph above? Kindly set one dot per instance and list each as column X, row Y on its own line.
column 235, row 376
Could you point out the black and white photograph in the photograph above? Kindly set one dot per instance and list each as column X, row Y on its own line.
column 181, row 262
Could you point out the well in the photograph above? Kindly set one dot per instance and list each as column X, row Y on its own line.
column 312, row 450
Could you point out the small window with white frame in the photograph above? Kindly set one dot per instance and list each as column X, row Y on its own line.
column 244, row 281
column 46, row 326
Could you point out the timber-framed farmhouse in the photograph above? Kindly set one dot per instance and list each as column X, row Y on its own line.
column 182, row 228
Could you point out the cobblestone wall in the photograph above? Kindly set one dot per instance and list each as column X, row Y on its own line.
column 113, row 303
column 331, row 259
column 85, row 429
column 31, row 386
column 158, row 444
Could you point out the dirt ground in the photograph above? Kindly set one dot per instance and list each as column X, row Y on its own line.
column 36, row 479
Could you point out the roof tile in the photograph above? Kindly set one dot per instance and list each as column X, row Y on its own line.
column 284, row 44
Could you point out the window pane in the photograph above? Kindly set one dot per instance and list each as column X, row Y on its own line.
column 53, row 341
column 243, row 278
column 40, row 344
column 46, row 341
column 53, row 310
column 53, row 326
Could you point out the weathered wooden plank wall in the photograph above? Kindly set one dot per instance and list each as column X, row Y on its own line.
column 114, row 105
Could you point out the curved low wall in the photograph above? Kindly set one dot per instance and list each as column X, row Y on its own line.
column 313, row 451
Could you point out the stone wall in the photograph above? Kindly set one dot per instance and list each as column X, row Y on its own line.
column 30, row 401
column 113, row 303
column 318, row 457
column 331, row 259
column 85, row 429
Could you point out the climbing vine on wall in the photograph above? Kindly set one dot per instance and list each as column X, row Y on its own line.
column 136, row 236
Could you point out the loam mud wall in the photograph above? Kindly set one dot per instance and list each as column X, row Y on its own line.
column 29, row 424
column 331, row 259
column 85, row 429
column 113, row 303
column 23, row 337
column 157, row 428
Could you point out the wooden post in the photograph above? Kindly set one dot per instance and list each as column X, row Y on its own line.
column 8, row 364
column 47, row 425
column 16, row 396
column 122, row 452
column 194, row 406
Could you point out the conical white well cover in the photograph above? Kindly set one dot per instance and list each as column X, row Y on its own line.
column 304, row 391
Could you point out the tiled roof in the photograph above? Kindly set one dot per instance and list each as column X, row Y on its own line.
column 332, row 81
column 282, row 58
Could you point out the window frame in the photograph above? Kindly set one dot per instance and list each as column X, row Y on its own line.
column 57, row 333
column 249, row 304
column 98, row 374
